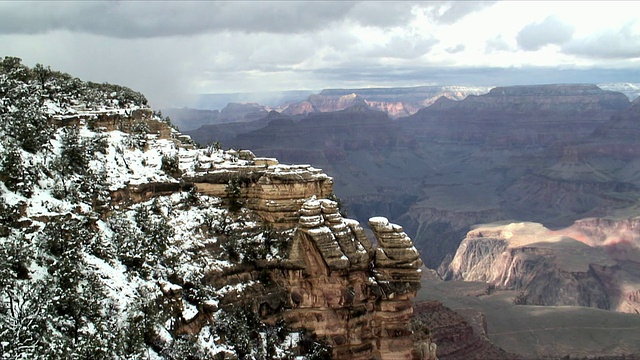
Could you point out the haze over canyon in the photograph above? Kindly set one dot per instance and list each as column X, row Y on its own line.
column 470, row 172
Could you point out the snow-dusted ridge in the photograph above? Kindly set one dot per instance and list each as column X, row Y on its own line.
column 81, row 269
column 631, row 90
column 121, row 239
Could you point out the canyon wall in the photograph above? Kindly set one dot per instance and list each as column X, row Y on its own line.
column 549, row 153
column 332, row 281
column 329, row 280
column 550, row 267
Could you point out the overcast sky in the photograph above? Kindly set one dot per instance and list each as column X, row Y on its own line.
column 169, row 49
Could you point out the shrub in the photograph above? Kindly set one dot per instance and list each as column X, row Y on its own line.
column 171, row 165
column 233, row 193
column 521, row 299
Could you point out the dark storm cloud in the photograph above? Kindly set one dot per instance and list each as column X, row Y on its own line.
column 549, row 31
column 610, row 44
column 145, row 19
column 381, row 13
column 487, row 76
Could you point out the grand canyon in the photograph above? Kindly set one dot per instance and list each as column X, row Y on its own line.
column 528, row 191
column 313, row 180
column 493, row 223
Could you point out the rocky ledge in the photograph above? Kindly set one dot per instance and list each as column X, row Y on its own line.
column 330, row 280
column 344, row 290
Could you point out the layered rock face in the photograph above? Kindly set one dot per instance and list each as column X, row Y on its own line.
column 332, row 282
column 345, row 291
column 514, row 153
column 558, row 97
column 519, row 115
column 612, row 147
column 594, row 176
column 612, row 234
column 275, row 192
column 324, row 139
column 189, row 119
column 323, row 103
column 548, row 267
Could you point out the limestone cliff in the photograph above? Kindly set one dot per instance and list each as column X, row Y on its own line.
column 330, row 280
column 345, row 291
column 519, row 115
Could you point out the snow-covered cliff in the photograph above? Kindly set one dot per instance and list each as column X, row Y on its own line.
column 120, row 238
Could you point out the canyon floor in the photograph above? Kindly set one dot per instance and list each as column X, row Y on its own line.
column 538, row 331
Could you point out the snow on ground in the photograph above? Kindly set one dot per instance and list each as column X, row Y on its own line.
column 120, row 287
column 126, row 164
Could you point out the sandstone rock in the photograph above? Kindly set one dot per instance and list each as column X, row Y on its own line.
column 276, row 193
column 363, row 312
column 262, row 161
column 397, row 260
column 396, row 102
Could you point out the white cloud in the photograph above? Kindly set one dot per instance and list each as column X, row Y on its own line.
column 149, row 19
column 622, row 43
column 450, row 12
column 456, row 49
column 497, row 43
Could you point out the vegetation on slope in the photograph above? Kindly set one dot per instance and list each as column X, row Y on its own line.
column 86, row 272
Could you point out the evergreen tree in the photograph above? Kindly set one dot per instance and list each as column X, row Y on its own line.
column 15, row 173
column 24, row 120
column 22, row 319
column 239, row 326
column 9, row 214
column 79, row 323
column 42, row 74
column 73, row 154
column 170, row 164
column 13, row 68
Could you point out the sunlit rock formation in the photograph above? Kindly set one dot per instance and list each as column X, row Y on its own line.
column 573, row 266
column 362, row 308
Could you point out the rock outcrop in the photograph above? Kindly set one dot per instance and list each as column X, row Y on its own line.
column 276, row 192
column 324, row 103
column 455, row 337
column 323, row 139
column 363, row 309
column 519, row 115
column 512, row 153
column 332, row 282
